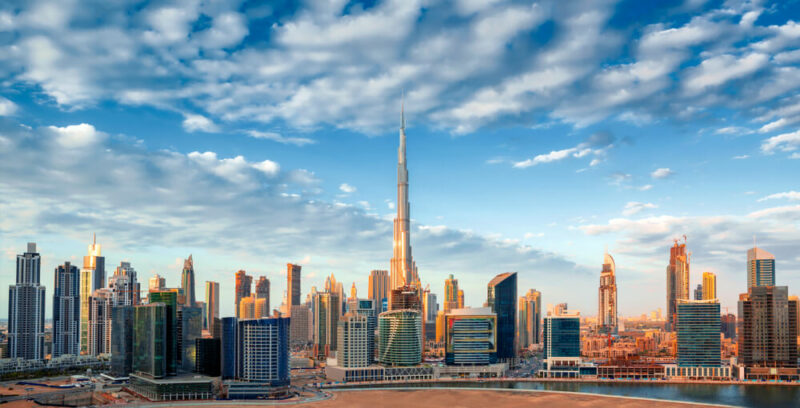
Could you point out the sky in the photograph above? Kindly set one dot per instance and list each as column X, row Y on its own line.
column 253, row 134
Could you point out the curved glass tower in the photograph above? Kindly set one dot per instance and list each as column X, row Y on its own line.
column 400, row 341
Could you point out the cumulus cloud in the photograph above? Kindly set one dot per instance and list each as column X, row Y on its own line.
column 195, row 123
column 76, row 136
column 785, row 142
column 662, row 173
column 7, row 108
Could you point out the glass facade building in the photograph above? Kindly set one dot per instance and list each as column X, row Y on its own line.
column 400, row 337
column 562, row 336
column 122, row 318
column 229, row 327
column 26, row 308
column 191, row 330
column 170, row 300
column 502, row 300
column 760, row 268
column 470, row 337
column 263, row 351
column 698, row 331
column 150, row 340
column 208, row 356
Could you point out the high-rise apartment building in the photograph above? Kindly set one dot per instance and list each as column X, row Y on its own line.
column 124, row 285
column 709, row 286
column 677, row 281
column 191, row 329
column 767, row 327
column 562, row 335
column 450, row 294
column 100, row 304
column 150, row 340
column 354, row 339
column 429, row 306
column 156, row 283
column 366, row 308
column 530, row 319
column 378, row 287
column 760, row 268
column 293, row 289
column 461, row 298
column 247, row 308
column 262, row 293
column 607, row 296
column 66, row 311
column 187, row 282
column 502, row 300
column 212, row 306
column 243, row 288
column 122, row 324
column 262, row 357
column 299, row 325
column 470, row 337
column 403, row 270
column 400, row 337
column 698, row 292
column 698, row 333
column 26, row 300
column 327, row 309
column 93, row 277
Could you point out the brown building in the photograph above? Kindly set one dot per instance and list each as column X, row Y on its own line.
column 244, row 284
column 767, row 328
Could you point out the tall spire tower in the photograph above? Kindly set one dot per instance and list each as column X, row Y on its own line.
column 403, row 270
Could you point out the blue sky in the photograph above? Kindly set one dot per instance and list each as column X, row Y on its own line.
column 252, row 135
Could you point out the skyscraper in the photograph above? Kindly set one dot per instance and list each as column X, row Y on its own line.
column 327, row 309
column 122, row 323
column 760, row 268
column 405, row 297
column 562, row 335
column 293, row 284
column 429, row 306
column 767, row 327
column 299, row 325
column 502, row 299
column 262, row 292
column 450, row 294
column 150, row 340
column 212, row 306
column 400, row 337
column 677, row 280
column 124, row 285
column 262, row 357
column 187, row 282
column 243, row 283
column 698, row 333
column 247, row 308
column 169, row 299
column 191, row 330
column 354, row 338
column 461, row 298
column 403, row 270
column 230, row 327
column 26, row 308
column 709, row 286
column 93, row 276
column 157, row 283
column 470, row 337
column 366, row 307
column 607, row 297
column 100, row 304
column 66, row 311
column 698, row 292
column 530, row 318
column 378, row 288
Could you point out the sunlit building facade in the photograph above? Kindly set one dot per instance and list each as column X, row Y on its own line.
column 93, row 277
column 709, row 286
column 400, row 337
column 760, row 268
column 607, row 297
column 403, row 270
column 530, row 319
column 677, row 281
column 243, row 288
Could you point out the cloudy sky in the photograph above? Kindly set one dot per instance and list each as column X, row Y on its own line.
column 251, row 135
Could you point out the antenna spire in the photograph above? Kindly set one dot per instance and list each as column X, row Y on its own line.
column 402, row 110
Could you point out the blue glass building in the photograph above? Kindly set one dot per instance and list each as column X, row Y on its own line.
column 562, row 336
column 502, row 299
column 698, row 333
column 228, row 362
column 66, row 311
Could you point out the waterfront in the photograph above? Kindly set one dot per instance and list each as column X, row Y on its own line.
column 756, row 396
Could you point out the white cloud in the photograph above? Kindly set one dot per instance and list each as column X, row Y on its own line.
column 790, row 195
column 267, row 167
column 555, row 155
column 76, row 136
column 718, row 70
column 195, row 123
column 741, row 157
column 635, row 207
column 227, row 30
column 346, row 188
column 785, row 142
column 277, row 137
column 662, row 173
column 7, row 108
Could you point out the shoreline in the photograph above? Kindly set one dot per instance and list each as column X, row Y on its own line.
column 555, row 380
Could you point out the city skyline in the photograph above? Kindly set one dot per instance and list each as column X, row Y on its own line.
column 502, row 181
